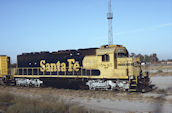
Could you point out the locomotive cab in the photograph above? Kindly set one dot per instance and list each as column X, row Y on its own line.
column 114, row 62
column 117, row 59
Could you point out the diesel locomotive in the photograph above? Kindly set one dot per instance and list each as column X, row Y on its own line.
column 108, row 67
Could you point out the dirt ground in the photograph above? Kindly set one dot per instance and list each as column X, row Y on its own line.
column 157, row 101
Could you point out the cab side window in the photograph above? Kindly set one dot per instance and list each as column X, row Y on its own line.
column 105, row 58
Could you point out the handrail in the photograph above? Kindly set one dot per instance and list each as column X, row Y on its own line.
column 36, row 71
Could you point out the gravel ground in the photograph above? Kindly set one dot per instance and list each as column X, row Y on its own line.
column 124, row 106
column 162, row 82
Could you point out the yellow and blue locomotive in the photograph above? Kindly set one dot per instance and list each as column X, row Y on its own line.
column 107, row 67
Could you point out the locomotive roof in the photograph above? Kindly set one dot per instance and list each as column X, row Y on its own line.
column 61, row 51
column 88, row 51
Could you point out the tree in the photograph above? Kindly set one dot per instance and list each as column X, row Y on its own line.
column 146, row 58
column 155, row 58
column 133, row 55
column 141, row 57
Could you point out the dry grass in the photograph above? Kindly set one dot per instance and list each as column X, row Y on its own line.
column 5, row 100
column 10, row 103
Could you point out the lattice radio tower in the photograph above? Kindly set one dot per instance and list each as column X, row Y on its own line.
column 110, row 17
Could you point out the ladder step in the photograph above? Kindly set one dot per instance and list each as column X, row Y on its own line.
column 133, row 84
column 133, row 80
column 132, row 89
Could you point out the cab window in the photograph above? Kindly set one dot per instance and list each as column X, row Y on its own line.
column 121, row 55
column 105, row 58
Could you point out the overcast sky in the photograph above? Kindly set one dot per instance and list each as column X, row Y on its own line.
column 143, row 26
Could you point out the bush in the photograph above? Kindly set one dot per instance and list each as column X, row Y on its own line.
column 159, row 71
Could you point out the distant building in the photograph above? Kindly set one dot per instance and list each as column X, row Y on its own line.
column 169, row 62
column 163, row 62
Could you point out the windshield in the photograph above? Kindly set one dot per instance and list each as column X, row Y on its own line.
column 120, row 55
column 121, row 52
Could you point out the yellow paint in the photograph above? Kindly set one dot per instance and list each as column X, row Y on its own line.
column 115, row 68
column 54, row 67
column 4, row 65
column 63, row 67
column 71, row 61
column 90, row 62
column 76, row 66
column 58, row 66
column 73, row 65
column 42, row 64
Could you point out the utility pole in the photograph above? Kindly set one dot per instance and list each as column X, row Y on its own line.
column 110, row 17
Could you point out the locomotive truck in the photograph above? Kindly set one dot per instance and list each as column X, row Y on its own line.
column 108, row 67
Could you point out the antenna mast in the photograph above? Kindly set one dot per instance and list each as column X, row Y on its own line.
column 110, row 17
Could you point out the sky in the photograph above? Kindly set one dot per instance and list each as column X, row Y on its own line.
column 142, row 26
